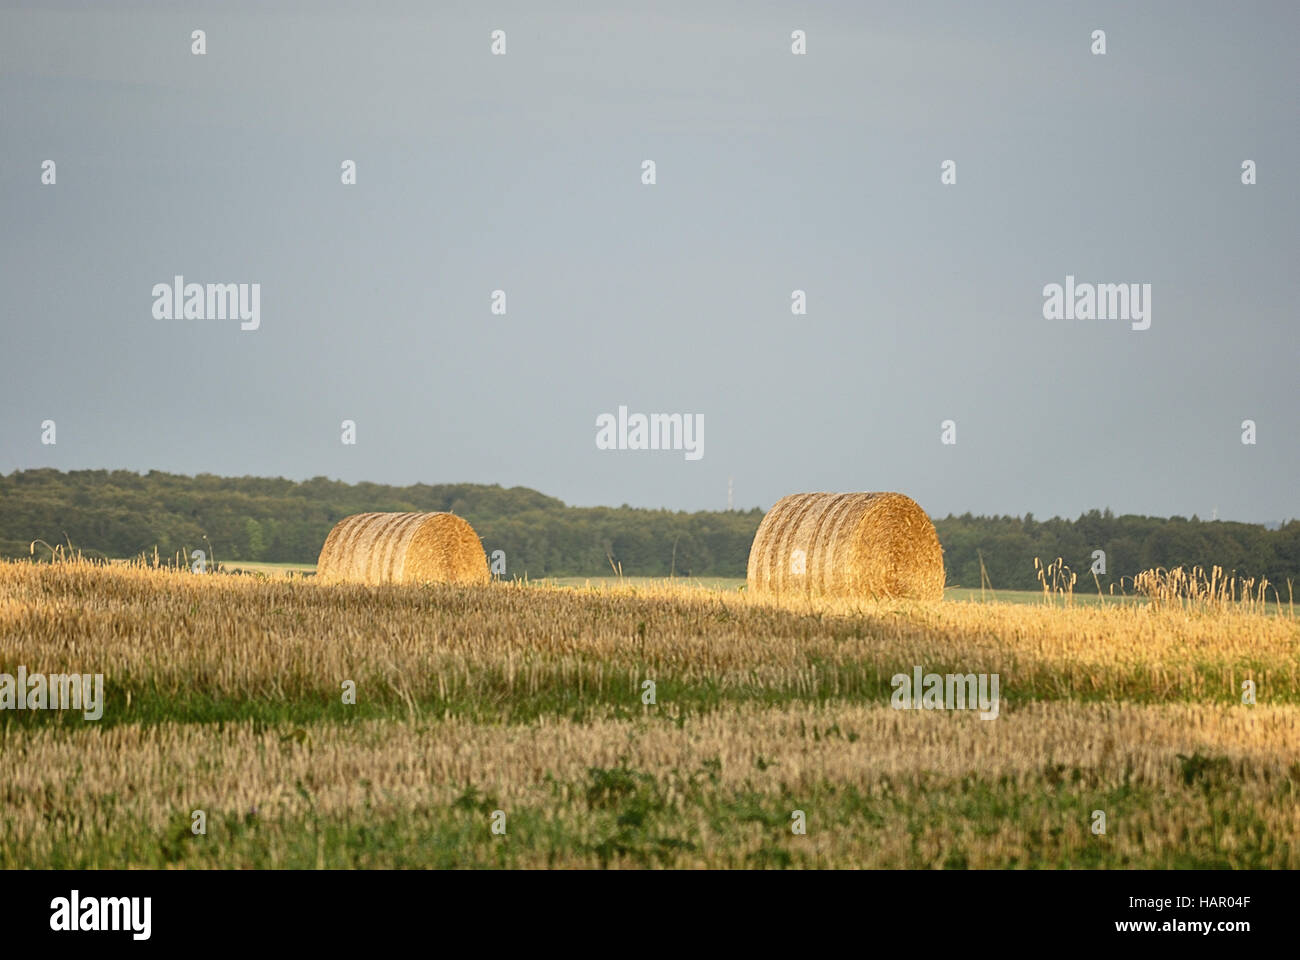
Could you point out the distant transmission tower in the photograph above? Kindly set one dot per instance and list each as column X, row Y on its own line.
column 730, row 484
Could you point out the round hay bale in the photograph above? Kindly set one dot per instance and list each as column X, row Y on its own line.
column 847, row 545
column 402, row 548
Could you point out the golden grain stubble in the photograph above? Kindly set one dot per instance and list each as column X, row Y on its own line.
column 402, row 548
column 847, row 545
column 74, row 786
column 182, row 635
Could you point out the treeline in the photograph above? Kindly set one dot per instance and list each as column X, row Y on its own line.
column 1130, row 544
column 124, row 514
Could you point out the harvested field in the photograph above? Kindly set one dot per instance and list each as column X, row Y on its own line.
column 223, row 694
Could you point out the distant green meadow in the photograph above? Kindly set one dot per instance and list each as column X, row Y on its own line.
column 959, row 594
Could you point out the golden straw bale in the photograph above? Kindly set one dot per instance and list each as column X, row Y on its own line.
column 402, row 548
column 847, row 545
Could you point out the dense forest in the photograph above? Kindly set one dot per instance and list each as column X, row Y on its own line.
column 123, row 514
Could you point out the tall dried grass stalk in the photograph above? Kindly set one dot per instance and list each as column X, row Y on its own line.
column 1197, row 587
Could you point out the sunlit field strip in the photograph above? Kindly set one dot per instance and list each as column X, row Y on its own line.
column 198, row 648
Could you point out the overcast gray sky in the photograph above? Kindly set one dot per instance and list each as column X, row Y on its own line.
column 775, row 172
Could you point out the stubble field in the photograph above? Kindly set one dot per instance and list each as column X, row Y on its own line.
column 523, row 707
